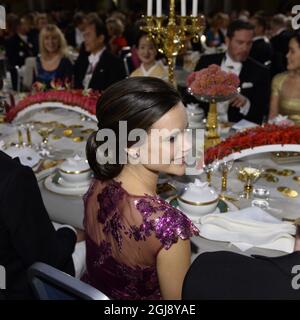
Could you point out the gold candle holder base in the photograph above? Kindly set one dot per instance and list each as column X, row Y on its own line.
column 212, row 137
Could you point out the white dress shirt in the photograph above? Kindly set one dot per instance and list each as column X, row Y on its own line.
column 229, row 65
column 78, row 37
column 93, row 58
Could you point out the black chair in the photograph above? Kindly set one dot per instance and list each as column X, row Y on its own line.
column 128, row 64
column 49, row 283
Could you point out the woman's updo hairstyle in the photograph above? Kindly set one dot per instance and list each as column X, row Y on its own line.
column 141, row 101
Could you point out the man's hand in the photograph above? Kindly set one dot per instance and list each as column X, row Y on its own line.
column 239, row 101
column 80, row 235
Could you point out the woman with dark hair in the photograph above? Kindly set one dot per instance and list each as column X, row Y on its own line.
column 147, row 53
column 285, row 97
column 137, row 244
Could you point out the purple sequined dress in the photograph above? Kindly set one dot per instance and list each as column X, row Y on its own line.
column 124, row 234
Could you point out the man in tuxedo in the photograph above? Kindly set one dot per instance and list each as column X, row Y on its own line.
column 225, row 275
column 96, row 67
column 74, row 33
column 18, row 48
column 261, row 49
column 252, row 102
column 26, row 232
column 280, row 43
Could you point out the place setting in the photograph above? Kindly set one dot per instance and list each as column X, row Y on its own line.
column 72, row 177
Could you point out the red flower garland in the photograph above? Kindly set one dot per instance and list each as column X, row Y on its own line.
column 85, row 99
column 254, row 137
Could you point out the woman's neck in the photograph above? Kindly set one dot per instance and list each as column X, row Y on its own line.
column 148, row 65
column 296, row 73
column 138, row 180
column 51, row 56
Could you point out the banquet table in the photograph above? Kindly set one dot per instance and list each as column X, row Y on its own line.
column 69, row 209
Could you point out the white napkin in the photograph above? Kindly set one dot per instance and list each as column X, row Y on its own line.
column 244, row 124
column 247, row 228
column 27, row 156
column 281, row 120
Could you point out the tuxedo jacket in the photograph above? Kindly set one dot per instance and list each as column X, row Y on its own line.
column 261, row 51
column 227, row 275
column 280, row 44
column 17, row 51
column 109, row 69
column 26, row 232
column 71, row 36
column 254, row 83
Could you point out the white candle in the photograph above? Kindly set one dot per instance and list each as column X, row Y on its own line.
column 183, row 8
column 158, row 8
column 149, row 7
column 195, row 8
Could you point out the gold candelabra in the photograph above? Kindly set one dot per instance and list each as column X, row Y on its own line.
column 212, row 137
column 170, row 34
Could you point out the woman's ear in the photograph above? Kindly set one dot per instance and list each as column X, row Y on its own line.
column 133, row 155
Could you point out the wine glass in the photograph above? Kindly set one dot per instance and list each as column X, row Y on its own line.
column 44, row 131
column 225, row 167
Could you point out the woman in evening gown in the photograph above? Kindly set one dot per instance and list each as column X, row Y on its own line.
column 285, row 98
column 137, row 244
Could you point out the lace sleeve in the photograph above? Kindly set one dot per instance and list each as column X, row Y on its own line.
column 167, row 223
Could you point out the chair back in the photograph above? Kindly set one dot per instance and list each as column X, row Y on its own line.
column 49, row 283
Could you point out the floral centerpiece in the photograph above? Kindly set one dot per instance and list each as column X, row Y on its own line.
column 59, row 92
column 213, row 83
column 265, row 137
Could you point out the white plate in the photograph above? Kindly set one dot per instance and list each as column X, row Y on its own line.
column 56, row 188
column 73, row 185
column 194, row 218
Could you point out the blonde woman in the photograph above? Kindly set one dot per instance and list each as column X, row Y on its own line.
column 115, row 29
column 52, row 63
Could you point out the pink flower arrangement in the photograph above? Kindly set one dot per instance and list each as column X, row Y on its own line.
column 213, row 81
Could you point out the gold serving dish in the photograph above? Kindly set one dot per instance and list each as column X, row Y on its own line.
column 286, row 172
column 78, row 139
column 68, row 132
column 87, row 131
column 271, row 170
column 288, row 192
column 297, row 179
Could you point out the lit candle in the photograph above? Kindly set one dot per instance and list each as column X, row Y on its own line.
column 183, row 8
column 149, row 7
column 158, row 8
column 195, row 8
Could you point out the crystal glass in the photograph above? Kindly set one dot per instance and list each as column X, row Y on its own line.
column 249, row 174
column 44, row 131
column 225, row 167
